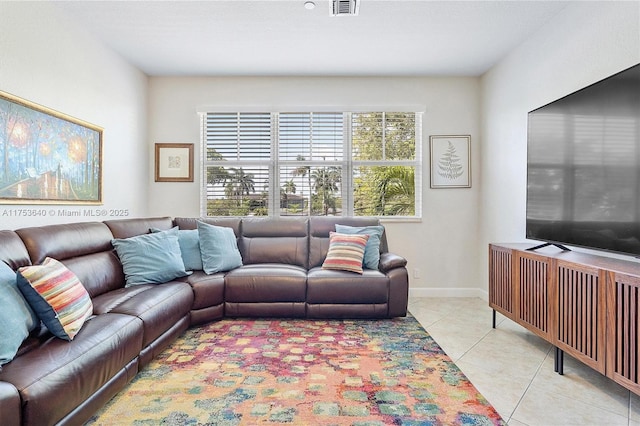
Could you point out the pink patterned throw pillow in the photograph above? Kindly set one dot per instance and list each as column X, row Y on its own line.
column 346, row 252
column 57, row 297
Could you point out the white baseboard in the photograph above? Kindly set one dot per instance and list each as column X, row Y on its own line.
column 448, row 292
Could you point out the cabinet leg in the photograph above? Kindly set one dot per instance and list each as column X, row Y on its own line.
column 494, row 319
column 559, row 361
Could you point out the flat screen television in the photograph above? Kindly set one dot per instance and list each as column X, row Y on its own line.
column 583, row 167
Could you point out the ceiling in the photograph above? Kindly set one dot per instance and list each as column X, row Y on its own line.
column 283, row 38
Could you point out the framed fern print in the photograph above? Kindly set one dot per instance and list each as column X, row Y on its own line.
column 450, row 161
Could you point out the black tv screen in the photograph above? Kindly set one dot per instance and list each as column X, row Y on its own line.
column 583, row 167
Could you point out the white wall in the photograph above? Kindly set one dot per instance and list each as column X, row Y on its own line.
column 49, row 60
column 585, row 43
column 442, row 246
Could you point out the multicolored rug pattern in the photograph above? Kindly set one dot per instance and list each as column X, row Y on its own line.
column 301, row 372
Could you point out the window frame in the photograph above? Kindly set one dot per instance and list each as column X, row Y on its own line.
column 347, row 164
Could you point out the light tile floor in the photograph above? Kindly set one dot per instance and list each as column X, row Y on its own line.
column 513, row 368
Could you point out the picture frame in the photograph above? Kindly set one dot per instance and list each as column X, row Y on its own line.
column 174, row 162
column 47, row 157
column 450, row 161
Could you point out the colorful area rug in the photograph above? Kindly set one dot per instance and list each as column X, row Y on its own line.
column 301, row 372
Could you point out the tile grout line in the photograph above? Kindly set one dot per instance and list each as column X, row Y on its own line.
column 529, row 385
column 490, row 331
column 532, row 377
column 523, row 398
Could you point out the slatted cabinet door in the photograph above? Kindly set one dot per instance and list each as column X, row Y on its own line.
column 623, row 332
column 581, row 308
column 535, row 284
column 588, row 306
column 501, row 280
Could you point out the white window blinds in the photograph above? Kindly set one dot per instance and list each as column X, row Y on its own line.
column 311, row 163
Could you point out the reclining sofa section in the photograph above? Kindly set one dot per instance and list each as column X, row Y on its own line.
column 53, row 381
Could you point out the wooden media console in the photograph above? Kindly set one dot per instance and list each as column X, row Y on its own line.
column 585, row 305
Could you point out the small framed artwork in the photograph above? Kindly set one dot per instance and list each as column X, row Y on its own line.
column 450, row 161
column 174, row 162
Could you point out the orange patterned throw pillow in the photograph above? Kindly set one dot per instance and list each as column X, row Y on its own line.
column 57, row 297
column 345, row 252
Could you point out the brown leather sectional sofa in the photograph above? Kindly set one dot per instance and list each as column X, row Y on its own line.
column 53, row 381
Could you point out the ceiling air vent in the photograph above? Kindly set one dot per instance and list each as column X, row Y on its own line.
column 345, row 7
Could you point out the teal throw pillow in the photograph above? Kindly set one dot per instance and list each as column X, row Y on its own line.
column 189, row 248
column 219, row 248
column 372, row 250
column 150, row 258
column 17, row 318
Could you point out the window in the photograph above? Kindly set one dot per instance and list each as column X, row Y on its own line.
column 238, row 161
column 311, row 163
column 384, row 163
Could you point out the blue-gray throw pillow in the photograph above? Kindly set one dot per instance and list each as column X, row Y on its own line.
column 219, row 248
column 150, row 258
column 189, row 248
column 372, row 250
column 17, row 318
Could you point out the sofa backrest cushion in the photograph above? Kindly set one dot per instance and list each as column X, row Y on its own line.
column 12, row 250
column 85, row 248
column 65, row 241
column 98, row 272
column 192, row 222
column 125, row 228
column 275, row 240
column 321, row 226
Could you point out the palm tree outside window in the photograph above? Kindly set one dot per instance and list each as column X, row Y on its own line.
column 312, row 164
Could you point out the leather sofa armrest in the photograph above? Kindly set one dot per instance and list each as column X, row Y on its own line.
column 10, row 406
column 389, row 261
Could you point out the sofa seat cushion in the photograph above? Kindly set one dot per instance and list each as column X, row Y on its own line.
column 60, row 375
column 340, row 287
column 348, row 311
column 266, row 282
column 159, row 306
column 9, row 404
column 208, row 290
column 107, row 302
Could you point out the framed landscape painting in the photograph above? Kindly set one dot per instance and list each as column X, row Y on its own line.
column 47, row 157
